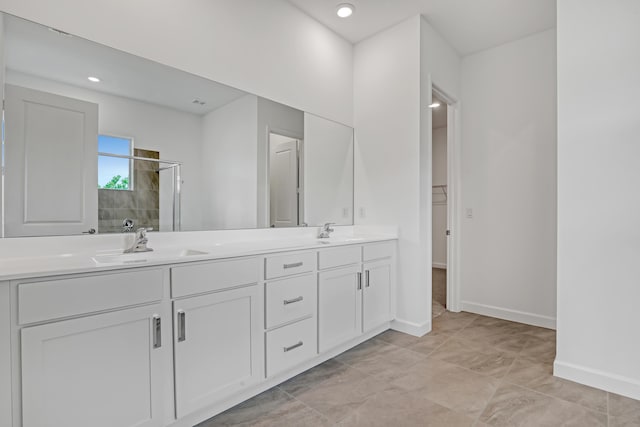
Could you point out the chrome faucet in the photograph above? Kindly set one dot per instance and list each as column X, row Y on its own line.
column 326, row 229
column 139, row 242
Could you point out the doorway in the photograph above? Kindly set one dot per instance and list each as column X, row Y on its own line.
column 445, row 169
column 439, row 191
column 285, row 198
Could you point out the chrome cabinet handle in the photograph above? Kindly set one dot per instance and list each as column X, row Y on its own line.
column 157, row 331
column 293, row 265
column 359, row 281
column 291, row 301
column 366, row 279
column 296, row 345
column 181, row 326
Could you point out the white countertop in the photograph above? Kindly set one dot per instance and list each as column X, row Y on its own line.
column 95, row 259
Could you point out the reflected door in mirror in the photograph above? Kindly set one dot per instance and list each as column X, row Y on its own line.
column 51, row 163
column 283, row 181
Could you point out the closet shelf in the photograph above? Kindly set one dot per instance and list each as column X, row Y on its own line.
column 439, row 193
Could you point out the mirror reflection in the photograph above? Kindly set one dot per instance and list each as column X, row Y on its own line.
column 97, row 140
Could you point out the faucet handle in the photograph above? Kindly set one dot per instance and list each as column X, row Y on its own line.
column 327, row 226
column 142, row 231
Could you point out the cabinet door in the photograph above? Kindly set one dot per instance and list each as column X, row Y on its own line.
column 101, row 370
column 376, row 296
column 219, row 346
column 339, row 306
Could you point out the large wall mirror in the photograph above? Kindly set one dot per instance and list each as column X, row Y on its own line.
column 98, row 140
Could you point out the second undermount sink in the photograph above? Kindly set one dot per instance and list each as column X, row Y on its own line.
column 142, row 257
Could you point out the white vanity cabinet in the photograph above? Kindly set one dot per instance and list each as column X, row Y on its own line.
column 80, row 368
column 102, row 370
column 290, row 308
column 356, row 298
column 377, row 277
column 174, row 344
column 340, row 306
column 218, row 344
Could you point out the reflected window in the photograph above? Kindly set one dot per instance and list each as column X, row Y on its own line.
column 115, row 173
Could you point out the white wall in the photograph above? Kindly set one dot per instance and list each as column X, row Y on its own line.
column 393, row 149
column 439, row 228
column 598, row 204
column 387, row 167
column 269, row 48
column 280, row 119
column 175, row 134
column 2, row 71
column 509, row 180
column 229, row 158
column 328, row 172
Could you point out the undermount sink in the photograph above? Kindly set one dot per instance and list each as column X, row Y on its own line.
column 142, row 257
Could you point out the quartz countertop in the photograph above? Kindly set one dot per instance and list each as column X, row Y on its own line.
column 95, row 260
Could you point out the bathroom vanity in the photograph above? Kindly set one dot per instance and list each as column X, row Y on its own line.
column 176, row 336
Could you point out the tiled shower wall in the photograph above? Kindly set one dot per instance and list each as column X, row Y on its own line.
column 142, row 204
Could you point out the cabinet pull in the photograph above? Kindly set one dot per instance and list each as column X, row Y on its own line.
column 181, row 326
column 366, row 278
column 292, row 265
column 157, row 331
column 291, row 301
column 296, row 345
column 359, row 281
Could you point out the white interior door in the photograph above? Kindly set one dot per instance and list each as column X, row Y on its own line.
column 51, row 179
column 283, row 181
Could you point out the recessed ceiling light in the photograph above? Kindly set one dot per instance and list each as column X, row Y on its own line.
column 345, row 10
column 93, row 79
column 434, row 105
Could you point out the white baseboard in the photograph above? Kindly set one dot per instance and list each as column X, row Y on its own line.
column 508, row 314
column 441, row 265
column 411, row 328
column 599, row 379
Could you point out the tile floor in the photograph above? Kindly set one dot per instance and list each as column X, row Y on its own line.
column 439, row 286
column 469, row 371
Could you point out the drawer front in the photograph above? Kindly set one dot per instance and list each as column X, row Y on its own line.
column 291, row 345
column 378, row 251
column 213, row 276
column 290, row 299
column 289, row 264
column 338, row 257
column 55, row 299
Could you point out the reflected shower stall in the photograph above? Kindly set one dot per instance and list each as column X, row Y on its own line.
column 152, row 201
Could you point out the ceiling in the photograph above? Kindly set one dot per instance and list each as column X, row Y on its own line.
column 468, row 25
column 36, row 50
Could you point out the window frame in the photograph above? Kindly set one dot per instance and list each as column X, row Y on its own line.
column 131, row 160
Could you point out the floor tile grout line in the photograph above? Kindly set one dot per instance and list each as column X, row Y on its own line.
column 608, row 409
column 306, row 405
column 501, row 380
column 561, row 399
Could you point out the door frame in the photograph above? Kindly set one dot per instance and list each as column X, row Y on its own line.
column 453, row 196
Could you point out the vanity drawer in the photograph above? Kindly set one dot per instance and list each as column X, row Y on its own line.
column 290, row 299
column 338, row 257
column 378, row 250
column 55, row 299
column 289, row 264
column 213, row 276
column 291, row 345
